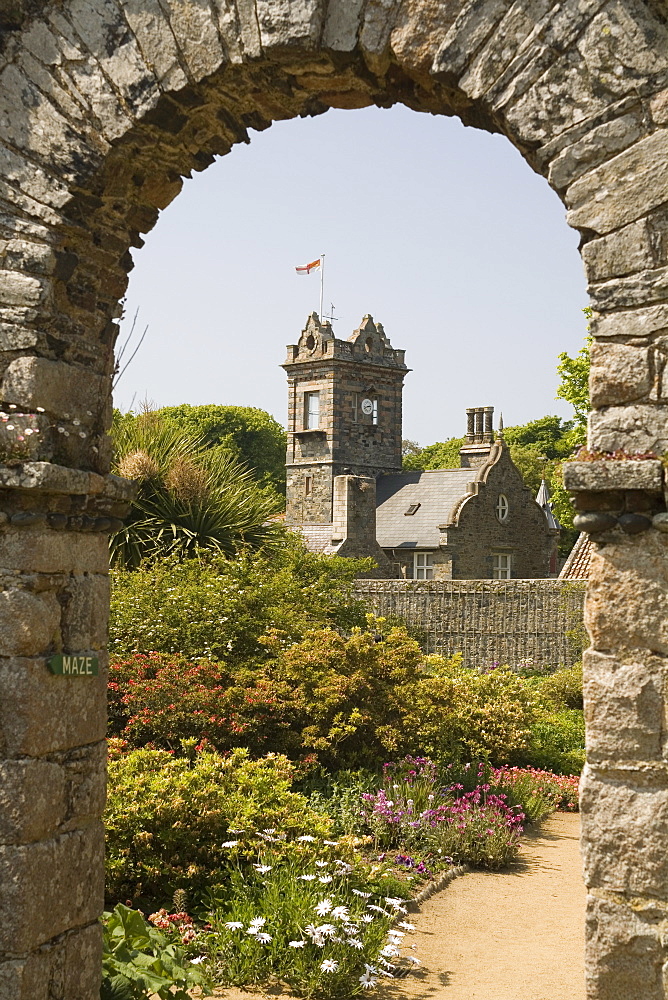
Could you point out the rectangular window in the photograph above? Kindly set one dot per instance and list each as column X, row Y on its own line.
column 356, row 400
column 423, row 566
column 308, row 485
column 501, row 565
column 374, row 412
column 311, row 411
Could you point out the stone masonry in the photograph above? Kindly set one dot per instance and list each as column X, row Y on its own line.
column 347, row 441
column 487, row 621
column 105, row 105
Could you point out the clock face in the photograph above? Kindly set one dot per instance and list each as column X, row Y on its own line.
column 367, row 406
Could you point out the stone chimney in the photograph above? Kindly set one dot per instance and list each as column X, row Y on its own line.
column 354, row 527
column 479, row 436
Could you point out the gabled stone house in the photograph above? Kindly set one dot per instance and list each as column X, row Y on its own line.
column 347, row 492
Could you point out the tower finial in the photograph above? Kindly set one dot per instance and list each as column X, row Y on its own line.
column 501, row 426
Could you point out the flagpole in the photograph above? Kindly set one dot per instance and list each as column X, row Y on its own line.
column 322, row 281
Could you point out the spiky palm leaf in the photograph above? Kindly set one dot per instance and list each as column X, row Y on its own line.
column 189, row 500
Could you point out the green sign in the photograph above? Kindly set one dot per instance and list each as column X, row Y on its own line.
column 74, row 666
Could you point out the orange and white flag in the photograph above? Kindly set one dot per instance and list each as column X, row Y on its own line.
column 307, row 268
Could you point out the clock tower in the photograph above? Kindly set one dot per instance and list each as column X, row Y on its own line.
column 344, row 414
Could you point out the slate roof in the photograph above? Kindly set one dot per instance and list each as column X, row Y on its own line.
column 576, row 566
column 436, row 492
column 318, row 537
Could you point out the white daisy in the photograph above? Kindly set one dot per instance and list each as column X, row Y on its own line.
column 366, row 918
column 326, row 930
column 263, row 938
column 329, row 965
column 367, row 981
column 389, row 951
column 230, row 843
column 256, row 923
column 323, row 907
column 263, row 869
column 307, row 878
column 196, row 961
column 296, row 944
column 325, row 879
column 234, row 925
column 306, row 838
column 321, row 864
column 414, row 959
column 355, row 943
column 340, row 913
column 406, row 925
column 364, row 895
column 331, row 843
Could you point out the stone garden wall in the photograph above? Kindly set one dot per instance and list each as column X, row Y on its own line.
column 488, row 621
column 105, row 105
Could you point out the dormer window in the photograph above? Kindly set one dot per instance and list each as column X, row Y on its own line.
column 311, row 411
column 413, row 509
column 502, row 507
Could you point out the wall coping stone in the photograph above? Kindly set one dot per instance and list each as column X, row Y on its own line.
column 614, row 474
column 49, row 478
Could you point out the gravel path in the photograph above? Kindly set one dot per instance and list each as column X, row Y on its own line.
column 516, row 935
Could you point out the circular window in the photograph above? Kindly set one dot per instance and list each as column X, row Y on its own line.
column 502, row 507
column 310, row 342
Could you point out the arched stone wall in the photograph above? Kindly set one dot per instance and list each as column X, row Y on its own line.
column 104, row 106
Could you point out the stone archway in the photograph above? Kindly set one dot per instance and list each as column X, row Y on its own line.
column 104, row 106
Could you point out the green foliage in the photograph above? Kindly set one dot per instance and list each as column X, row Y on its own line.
column 563, row 688
column 547, row 436
column 167, row 817
column 442, row 455
column 221, row 608
column 344, row 702
column 557, row 741
column 139, row 961
column 189, row 500
column 574, row 384
column 251, row 435
column 457, row 712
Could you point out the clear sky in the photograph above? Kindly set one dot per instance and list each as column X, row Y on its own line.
column 443, row 233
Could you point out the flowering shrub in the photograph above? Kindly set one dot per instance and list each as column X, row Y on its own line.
column 563, row 688
column 168, row 816
column 139, row 961
column 540, row 792
column 413, row 807
column 164, row 699
column 346, row 702
column 313, row 921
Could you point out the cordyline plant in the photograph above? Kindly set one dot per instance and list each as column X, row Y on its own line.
column 189, row 499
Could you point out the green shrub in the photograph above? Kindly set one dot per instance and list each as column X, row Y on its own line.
column 167, row 817
column 557, row 742
column 342, row 702
column 221, row 608
column 563, row 689
column 459, row 713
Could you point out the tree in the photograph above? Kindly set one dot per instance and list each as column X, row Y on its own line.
column 190, row 498
column 574, row 384
column 442, row 455
column 250, row 434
